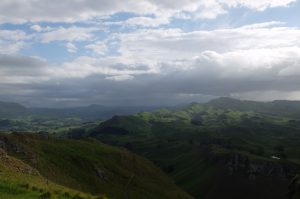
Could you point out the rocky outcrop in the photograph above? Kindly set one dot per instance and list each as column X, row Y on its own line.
column 235, row 162
column 14, row 164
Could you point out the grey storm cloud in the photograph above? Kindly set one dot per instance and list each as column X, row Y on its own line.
column 209, row 74
column 155, row 89
column 16, row 65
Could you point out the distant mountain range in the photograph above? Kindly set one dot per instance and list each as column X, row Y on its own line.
column 96, row 112
column 277, row 107
column 88, row 113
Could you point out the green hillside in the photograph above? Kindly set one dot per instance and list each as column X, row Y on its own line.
column 92, row 167
column 212, row 152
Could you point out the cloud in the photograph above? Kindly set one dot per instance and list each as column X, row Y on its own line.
column 36, row 28
column 68, row 34
column 120, row 77
column 157, row 20
column 259, row 5
column 39, row 28
column 11, row 41
column 71, row 48
column 269, row 24
column 160, row 67
column 169, row 45
column 17, row 69
column 17, row 11
column 85, row 66
column 66, row 11
column 156, row 64
column 99, row 47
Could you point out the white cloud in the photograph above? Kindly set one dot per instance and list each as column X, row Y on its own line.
column 257, row 4
column 239, row 52
column 219, row 54
column 36, row 28
column 148, row 21
column 120, row 77
column 168, row 45
column 252, row 63
column 98, row 47
column 39, row 28
column 11, row 41
column 15, row 35
column 209, row 10
column 269, row 24
column 18, row 11
column 71, row 48
column 113, row 68
column 159, row 18
column 70, row 34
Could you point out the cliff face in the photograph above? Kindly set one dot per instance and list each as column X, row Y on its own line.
column 259, row 167
column 246, row 177
column 234, row 162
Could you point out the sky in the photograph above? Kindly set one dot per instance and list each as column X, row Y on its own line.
column 148, row 52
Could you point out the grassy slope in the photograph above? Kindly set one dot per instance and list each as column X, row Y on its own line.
column 20, row 181
column 93, row 167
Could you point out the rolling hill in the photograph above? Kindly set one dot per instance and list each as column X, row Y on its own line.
column 210, row 151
